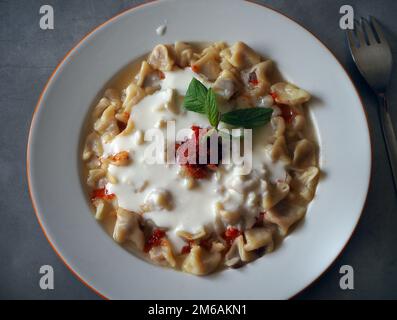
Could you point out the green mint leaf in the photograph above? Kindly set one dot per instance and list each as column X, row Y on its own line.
column 195, row 98
column 212, row 108
column 248, row 118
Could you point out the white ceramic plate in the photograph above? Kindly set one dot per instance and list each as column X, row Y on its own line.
column 53, row 152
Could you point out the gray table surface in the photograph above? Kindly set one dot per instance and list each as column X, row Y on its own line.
column 28, row 56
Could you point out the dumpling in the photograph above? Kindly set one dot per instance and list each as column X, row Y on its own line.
column 161, row 58
column 158, row 199
column 304, row 154
column 144, row 72
column 184, row 54
column 163, row 254
column 237, row 254
column 127, row 228
column 133, row 94
column 275, row 194
column 257, row 238
column 106, row 125
column 201, row 262
column 208, row 65
column 256, row 79
column 226, row 85
column 278, row 150
column 94, row 175
column 289, row 94
column 242, row 56
column 284, row 215
column 93, row 146
column 305, row 181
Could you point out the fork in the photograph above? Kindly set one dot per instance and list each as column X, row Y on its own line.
column 372, row 55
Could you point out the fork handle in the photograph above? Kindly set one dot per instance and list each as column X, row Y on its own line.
column 389, row 136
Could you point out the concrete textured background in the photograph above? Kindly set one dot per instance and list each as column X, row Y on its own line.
column 28, row 56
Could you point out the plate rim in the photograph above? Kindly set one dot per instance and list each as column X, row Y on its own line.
column 86, row 37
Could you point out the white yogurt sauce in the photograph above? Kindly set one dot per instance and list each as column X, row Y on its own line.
column 192, row 209
column 161, row 30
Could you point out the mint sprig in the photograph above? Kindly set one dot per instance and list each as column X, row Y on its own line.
column 196, row 96
column 248, row 118
column 202, row 100
column 212, row 108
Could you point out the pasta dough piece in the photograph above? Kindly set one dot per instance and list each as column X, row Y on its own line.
column 275, row 194
column 242, row 56
column 161, row 58
column 298, row 123
column 201, row 262
column 305, row 182
column 100, row 107
column 278, row 124
column 144, row 72
column 208, row 65
column 304, row 154
column 158, row 199
column 257, row 238
column 278, row 150
column 226, row 85
column 163, row 254
column 284, row 215
column 114, row 97
column 93, row 146
column 237, row 254
column 106, row 125
column 101, row 208
column 133, row 94
column 94, row 175
column 289, row 94
column 192, row 236
column 257, row 80
column 184, row 54
column 127, row 228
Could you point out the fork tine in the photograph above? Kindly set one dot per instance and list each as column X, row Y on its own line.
column 368, row 31
column 378, row 29
column 350, row 39
column 359, row 33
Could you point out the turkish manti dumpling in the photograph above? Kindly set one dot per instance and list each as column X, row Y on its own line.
column 199, row 218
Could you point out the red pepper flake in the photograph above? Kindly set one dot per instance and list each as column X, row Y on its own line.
column 126, row 115
column 195, row 68
column 230, row 234
column 161, row 75
column 192, row 167
column 287, row 113
column 186, row 249
column 102, row 194
column 206, row 244
column 274, row 96
column 252, row 79
column 196, row 171
column 154, row 240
